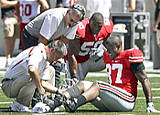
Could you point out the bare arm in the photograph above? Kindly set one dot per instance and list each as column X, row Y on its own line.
column 36, row 78
column 157, row 22
column 74, row 48
column 155, row 2
column 42, row 40
column 7, row 4
column 18, row 12
column 142, row 77
column 44, row 5
column 48, row 87
column 132, row 5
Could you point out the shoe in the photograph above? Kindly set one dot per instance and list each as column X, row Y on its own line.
column 53, row 103
column 40, row 108
column 60, row 108
column 19, row 107
column 70, row 104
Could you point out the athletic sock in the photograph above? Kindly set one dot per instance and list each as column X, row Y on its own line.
column 81, row 100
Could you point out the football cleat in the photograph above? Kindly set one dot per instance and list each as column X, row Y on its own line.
column 40, row 108
column 17, row 107
column 70, row 104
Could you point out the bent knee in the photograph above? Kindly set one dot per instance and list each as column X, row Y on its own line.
column 85, row 85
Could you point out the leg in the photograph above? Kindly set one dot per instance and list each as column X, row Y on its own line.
column 20, row 88
column 113, row 99
column 73, row 97
column 9, row 29
column 9, row 47
column 96, row 66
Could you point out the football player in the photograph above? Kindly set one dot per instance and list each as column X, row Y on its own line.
column 124, row 69
column 86, row 46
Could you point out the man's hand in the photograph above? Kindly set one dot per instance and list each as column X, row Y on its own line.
column 96, row 54
column 150, row 108
column 41, row 90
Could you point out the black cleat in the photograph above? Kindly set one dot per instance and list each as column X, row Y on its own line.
column 70, row 104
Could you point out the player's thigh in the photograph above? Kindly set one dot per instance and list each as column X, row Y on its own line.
column 19, row 83
column 114, row 99
column 13, row 86
column 96, row 66
column 82, row 70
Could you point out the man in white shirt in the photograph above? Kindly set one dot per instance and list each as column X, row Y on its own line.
column 51, row 24
column 31, row 70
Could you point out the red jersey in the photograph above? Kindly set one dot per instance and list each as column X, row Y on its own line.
column 88, row 40
column 119, row 70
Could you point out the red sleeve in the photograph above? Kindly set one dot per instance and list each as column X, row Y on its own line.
column 105, row 56
column 136, row 56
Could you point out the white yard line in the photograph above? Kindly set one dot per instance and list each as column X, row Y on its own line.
column 145, row 98
column 96, row 74
column 52, row 113
column 6, row 102
column 153, row 89
column 57, row 112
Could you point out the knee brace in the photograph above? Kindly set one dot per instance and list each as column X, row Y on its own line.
column 74, row 91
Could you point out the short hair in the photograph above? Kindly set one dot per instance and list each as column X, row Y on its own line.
column 79, row 9
column 59, row 47
column 114, row 40
column 97, row 17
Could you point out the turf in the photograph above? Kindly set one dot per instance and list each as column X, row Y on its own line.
column 88, row 109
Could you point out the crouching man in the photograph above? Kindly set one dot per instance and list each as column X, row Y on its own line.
column 31, row 70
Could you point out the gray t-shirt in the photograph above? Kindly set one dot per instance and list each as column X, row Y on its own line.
column 51, row 24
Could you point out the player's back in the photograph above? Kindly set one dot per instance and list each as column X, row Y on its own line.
column 29, row 9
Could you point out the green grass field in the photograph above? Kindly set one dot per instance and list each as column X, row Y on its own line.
column 88, row 109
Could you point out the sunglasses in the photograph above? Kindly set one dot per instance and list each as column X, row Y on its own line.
column 72, row 20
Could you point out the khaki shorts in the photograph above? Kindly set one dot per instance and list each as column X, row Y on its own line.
column 11, row 28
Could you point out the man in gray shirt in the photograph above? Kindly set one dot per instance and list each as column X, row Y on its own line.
column 52, row 24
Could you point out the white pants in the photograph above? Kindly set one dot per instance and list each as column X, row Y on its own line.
column 22, row 88
column 88, row 66
column 112, row 98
